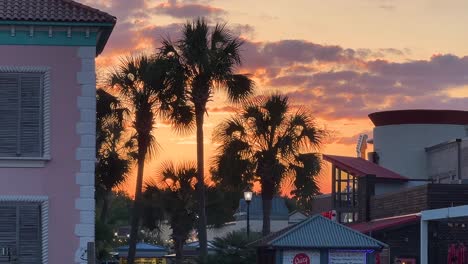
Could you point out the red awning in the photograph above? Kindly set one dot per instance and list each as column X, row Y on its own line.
column 361, row 167
column 384, row 223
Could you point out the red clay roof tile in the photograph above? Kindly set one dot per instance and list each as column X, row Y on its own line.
column 51, row 10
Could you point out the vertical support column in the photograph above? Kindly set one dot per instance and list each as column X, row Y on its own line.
column 366, row 189
column 424, row 241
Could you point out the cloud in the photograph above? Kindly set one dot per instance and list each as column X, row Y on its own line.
column 352, row 140
column 187, row 9
column 383, row 85
column 228, row 109
column 122, row 9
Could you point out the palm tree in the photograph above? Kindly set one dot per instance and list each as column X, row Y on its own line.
column 113, row 154
column 175, row 201
column 149, row 87
column 209, row 58
column 277, row 141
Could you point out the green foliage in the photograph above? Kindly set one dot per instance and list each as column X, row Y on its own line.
column 234, row 249
column 221, row 205
column 270, row 142
column 119, row 215
column 113, row 152
column 173, row 200
column 150, row 87
column 104, row 236
column 207, row 57
column 119, row 212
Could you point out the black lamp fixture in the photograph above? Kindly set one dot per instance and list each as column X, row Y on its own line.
column 248, row 198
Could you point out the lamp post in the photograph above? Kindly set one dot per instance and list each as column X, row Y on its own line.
column 248, row 199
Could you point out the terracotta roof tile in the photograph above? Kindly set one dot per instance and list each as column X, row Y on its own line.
column 361, row 167
column 51, row 10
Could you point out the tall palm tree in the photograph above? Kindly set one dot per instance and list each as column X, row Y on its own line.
column 149, row 87
column 174, row 200
column 113, row 153
column 209, row 58
column 278, row 141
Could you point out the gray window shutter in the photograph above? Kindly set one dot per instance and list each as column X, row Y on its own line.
column 9, row 114
column 29, row 250
column 8, row 227
column 20, row 115
column 31, row 117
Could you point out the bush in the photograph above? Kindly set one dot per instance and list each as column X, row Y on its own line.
column 233, row 249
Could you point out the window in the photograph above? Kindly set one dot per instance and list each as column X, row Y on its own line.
column 24, row 116
column 20, row 233
column 21, row 115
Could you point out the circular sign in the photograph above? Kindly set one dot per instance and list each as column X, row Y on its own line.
column 301, row 258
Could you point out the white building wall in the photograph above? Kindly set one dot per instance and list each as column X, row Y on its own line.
column 401, row 148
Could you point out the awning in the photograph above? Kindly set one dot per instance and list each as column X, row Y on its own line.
column 361, row 167
column 385, row 223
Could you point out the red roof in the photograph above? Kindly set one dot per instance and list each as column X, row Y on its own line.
column 380, row 224
column 361, row 167
column 51, row 10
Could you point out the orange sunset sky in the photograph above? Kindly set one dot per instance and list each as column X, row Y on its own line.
column 341, row 59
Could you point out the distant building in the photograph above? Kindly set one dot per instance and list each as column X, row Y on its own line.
column 145, row 253
column 419, row 163
column 280, row 217
column 317, row 240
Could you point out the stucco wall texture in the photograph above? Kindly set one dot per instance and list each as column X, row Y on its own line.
column 57, row 179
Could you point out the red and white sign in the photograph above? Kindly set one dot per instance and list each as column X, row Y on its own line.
column 301, row 258
column 330, row 215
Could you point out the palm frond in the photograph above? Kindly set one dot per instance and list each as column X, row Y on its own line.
column 239, row 87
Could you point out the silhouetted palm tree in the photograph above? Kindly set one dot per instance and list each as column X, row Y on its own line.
column 277, row 142
column 149, row 87
column 113, row 154
column 209, row 58
column 174, row 200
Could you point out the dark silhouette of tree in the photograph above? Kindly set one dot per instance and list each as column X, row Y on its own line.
column 270, row 142
column 113, row 153
column 174, row 200
column 209, row 58
column 150, row 88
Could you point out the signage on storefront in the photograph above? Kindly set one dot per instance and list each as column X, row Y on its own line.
column 301, row 257
column 347, row 257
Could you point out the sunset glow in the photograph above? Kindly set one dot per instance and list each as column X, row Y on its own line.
column 340, row 59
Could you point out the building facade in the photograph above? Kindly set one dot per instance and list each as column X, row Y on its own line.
column 418, row 163
column 47, row 136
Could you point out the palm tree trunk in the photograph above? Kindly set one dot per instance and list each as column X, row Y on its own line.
column 105, row 206
column 137, row 207
column 179, row 249
column 266, row 206
column 202, row 236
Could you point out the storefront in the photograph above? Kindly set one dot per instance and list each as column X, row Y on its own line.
column 145, row 254
column 318, row 240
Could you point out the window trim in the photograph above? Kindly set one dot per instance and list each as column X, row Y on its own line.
column 44, row 204
column 33, row 162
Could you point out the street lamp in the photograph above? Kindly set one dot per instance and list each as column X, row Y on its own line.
column 248, row 198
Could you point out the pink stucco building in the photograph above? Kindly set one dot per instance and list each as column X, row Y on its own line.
column 47, row 128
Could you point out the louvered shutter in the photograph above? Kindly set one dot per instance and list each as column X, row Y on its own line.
column 20, row 115
column 9, row 114
column 30, row 116
column 29, row 250
column 8, row 228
